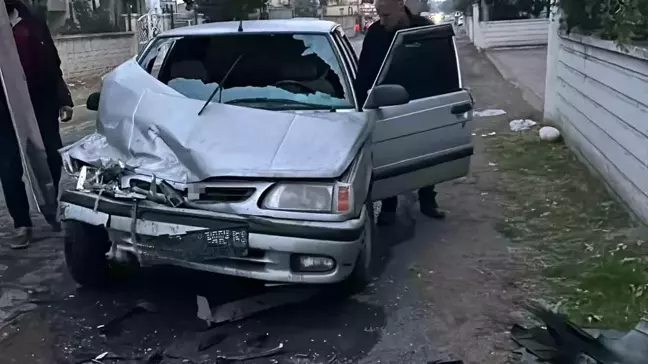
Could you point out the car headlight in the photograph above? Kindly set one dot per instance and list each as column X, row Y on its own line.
column 309, row 197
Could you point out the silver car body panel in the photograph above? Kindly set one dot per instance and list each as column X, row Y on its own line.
column 425, row 141
column 270, row 246
column 158, row 132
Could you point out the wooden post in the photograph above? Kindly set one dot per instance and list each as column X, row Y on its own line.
column 12, row 77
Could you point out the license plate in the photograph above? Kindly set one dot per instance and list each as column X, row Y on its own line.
column 226, row 242
column 208, row 244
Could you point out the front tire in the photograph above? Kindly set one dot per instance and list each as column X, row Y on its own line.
column 85, row 253
column 362, row 273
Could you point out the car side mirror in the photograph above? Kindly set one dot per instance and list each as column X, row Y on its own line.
column 386, row 95
column 93, row 101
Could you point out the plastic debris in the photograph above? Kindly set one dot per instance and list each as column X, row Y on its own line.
column 257, row 355
column 522, row 124
column 488, row 113
column 241, row 309
column 561, row 341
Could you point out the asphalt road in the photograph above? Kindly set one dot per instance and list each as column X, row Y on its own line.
column 442, row 288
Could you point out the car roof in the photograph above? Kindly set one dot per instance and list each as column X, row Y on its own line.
column 255, row 26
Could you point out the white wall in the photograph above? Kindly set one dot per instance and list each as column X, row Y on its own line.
column 598, row 96
column 91, row 55
column 468, row 23
column 508, row 33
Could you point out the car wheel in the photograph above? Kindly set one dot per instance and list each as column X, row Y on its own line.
column 363, row 271
column 85, row 253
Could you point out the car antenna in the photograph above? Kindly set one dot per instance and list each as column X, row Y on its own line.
column 220, row 84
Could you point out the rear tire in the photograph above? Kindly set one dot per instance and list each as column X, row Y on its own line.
column 85, row 254
column 362, row 273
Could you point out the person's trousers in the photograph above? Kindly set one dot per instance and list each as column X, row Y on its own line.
column 427, row 199
column 11, row 168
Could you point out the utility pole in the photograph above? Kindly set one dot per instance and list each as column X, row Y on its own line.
column 13, row 82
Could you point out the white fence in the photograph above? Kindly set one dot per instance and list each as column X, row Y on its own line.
column 508, row 33
column 598, row 96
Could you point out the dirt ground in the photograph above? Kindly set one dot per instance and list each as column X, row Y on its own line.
column 444, row 289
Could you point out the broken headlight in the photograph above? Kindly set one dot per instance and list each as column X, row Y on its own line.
column 310, row 197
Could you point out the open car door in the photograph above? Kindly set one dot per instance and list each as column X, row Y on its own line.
column 15, row 94
column 427, row 140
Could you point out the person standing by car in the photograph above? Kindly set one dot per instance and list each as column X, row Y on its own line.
column 394, row 15
column 50, row 99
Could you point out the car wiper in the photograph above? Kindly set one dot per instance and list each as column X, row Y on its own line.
column 220, row 84
column 278, row 101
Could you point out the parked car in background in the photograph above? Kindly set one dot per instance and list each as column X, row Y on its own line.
column 241, row 149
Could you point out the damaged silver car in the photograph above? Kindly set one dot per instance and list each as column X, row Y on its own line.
column 240, row 148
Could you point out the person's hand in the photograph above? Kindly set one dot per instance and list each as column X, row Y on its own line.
column 65, row 113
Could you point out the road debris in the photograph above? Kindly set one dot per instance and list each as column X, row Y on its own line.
column 224, row 359
column 521, row 124
column 488, row 112
column 562, row 342
column 241, row 309
column 113, row 326
column 210, row 339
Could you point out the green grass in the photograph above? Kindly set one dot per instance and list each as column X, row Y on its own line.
column 586, row 246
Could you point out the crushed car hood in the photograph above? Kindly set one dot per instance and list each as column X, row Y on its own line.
column 157, row 131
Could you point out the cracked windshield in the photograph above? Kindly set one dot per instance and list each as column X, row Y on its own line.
column 275, row 71
column 323, row 182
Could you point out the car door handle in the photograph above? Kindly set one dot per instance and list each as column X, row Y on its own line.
column 461, row 108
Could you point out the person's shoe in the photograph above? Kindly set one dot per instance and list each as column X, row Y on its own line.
column 386, row 218
column 22, row 239
column 433, row 213
column 56, row 227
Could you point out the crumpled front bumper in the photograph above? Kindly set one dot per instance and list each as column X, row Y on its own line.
column 142, row 228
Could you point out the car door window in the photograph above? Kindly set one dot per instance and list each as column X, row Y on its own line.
column 155, row 57
column 428, row 139
column 424, row 62
column 348, row 55
column 352, row 53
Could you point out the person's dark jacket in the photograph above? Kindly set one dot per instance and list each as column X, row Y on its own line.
column 40, row 61
column 42, row 67
column 374, row 49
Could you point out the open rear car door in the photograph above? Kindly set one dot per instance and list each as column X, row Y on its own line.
column 427, row 140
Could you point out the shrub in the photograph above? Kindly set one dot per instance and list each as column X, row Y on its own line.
column 623, row 21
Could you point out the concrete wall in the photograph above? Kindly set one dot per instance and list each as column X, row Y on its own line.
column 598, row 96
column 91, row 55
column 468, row 24
column 280, row 13
column 508, row 33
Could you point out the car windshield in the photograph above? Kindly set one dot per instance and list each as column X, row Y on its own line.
column 280, row 71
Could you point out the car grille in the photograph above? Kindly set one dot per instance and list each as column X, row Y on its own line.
column 225, row 194
column 209, row 194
